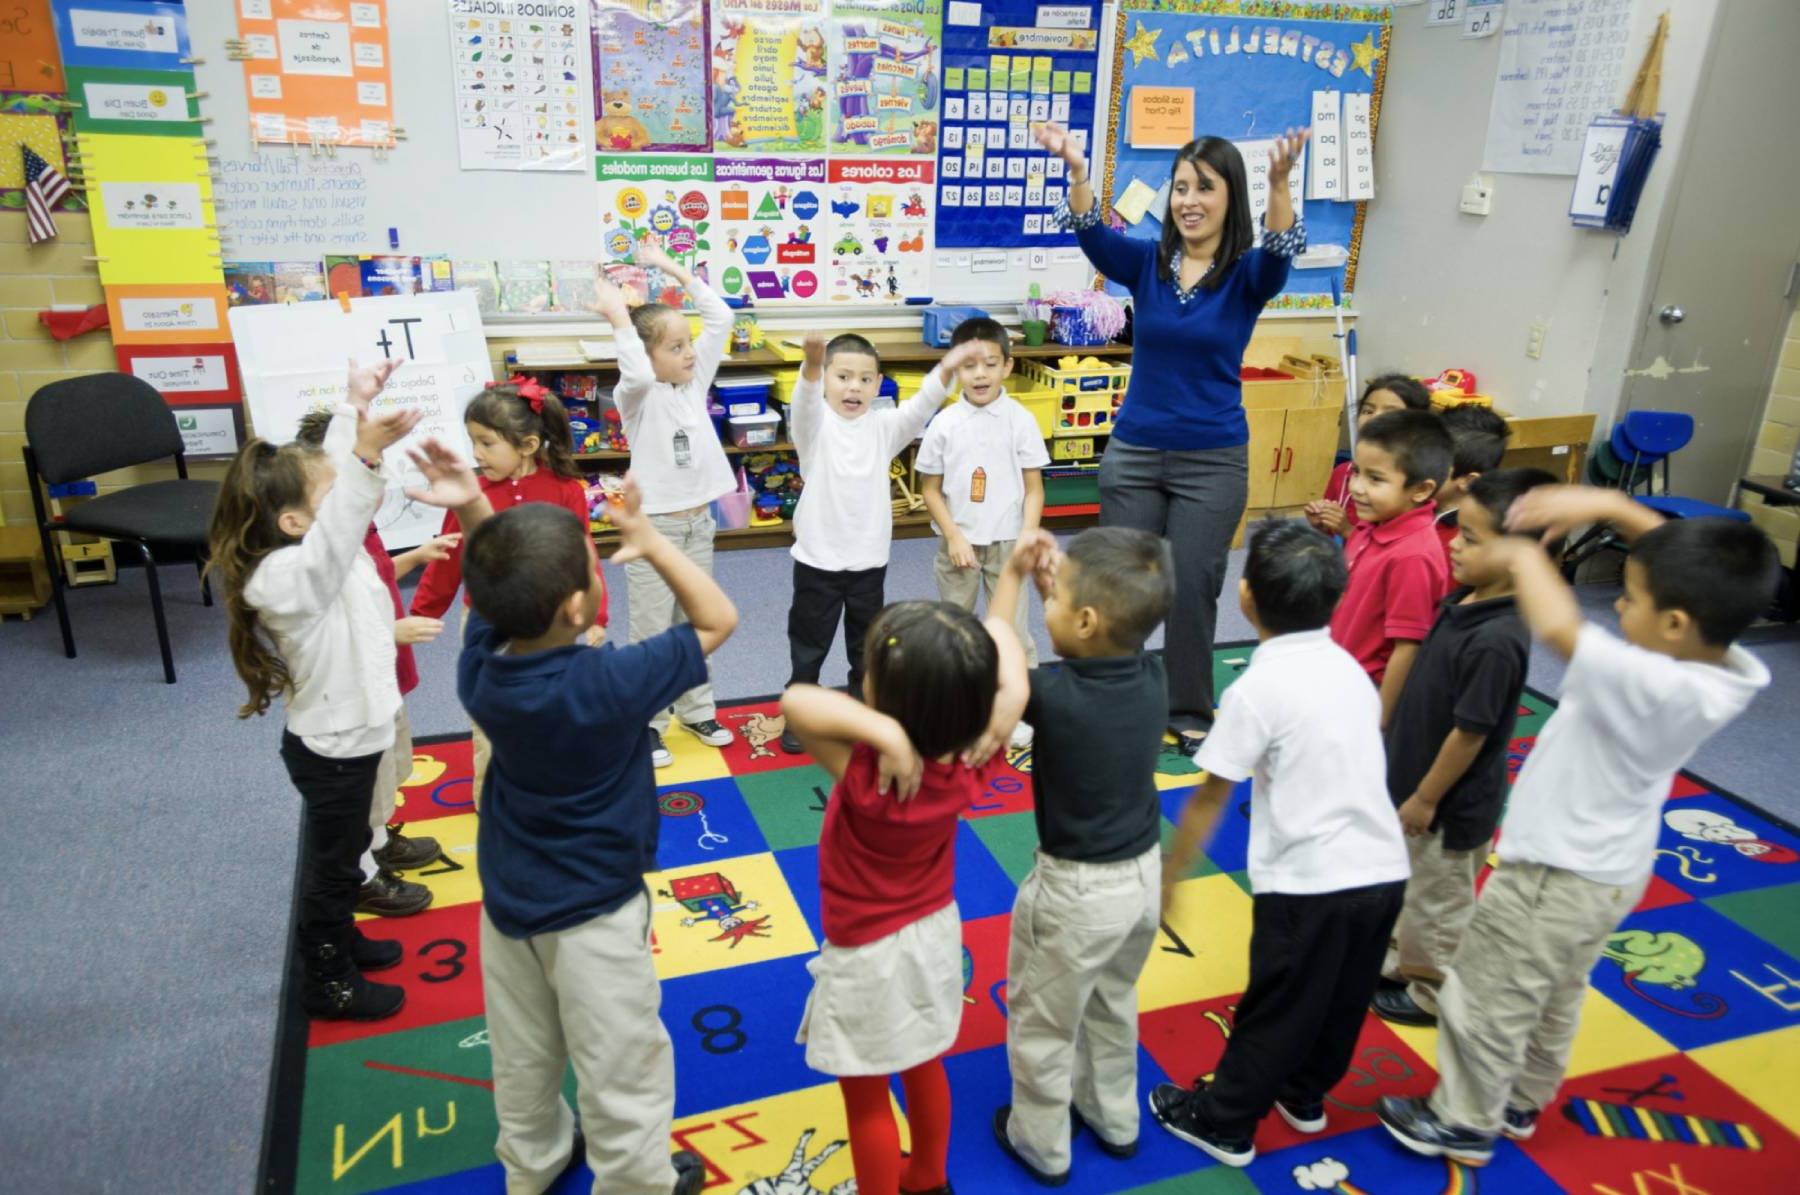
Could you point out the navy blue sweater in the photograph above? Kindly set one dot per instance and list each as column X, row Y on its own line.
column 1185, row 393
column 568, row 816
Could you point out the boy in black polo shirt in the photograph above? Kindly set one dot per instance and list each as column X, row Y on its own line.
column 1086, row 916
column 1447, row 744
column 568, row 831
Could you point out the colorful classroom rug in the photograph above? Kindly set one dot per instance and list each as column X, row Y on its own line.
column 1683, row 1080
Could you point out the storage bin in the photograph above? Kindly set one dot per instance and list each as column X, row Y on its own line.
column 755, row 431
column 939, row 322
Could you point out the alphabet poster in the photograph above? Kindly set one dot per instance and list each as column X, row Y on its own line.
column 650, row 76
column 519, row 68
column 318, row 71
column 884, row 86
column 881, row 230
column 769, row 75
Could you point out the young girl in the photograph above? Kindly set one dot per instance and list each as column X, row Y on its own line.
column 664, row 378
column 524, row 453
column 311, row 622
column 942, row 691
column 1335, row 514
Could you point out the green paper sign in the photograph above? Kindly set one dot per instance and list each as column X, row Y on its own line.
column 134, row 102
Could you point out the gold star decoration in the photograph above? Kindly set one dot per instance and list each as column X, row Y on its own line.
column 1143, row 44
column 1365, row 52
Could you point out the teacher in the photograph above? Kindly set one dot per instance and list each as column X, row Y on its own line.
column 1178, row 464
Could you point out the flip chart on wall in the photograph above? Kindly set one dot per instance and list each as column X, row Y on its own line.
column 438, row 336
column 1252, row 78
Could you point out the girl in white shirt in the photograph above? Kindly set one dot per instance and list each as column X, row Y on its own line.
column 664, row 379
column 311, row 622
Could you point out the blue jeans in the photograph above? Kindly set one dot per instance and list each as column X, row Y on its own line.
column 1194, row 500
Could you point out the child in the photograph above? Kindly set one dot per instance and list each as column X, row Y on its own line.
column 384, row 893
column 312, row 623
column 1446, row 749
column 1397, row 570
column 844, row 525
column 1086, row 916
column 1477, row 443
column 525, row 454
column 1327, row 864
column 941, row 694
column 565, row 966
column 664, row 380
column 1335, row 513
column 1582, row 821
column 980, row 466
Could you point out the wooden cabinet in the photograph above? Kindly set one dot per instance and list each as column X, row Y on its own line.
column 1294, row 429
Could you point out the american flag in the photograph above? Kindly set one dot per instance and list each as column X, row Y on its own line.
column 44, row 188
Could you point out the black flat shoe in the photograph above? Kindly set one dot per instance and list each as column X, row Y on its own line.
column 1002, row 1115
column 1078, row 1122
column 1399, row 1008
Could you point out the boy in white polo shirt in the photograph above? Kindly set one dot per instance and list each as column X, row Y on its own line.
column 1328, row 863
column 1580, row 834
column 981, row 465
column 844, row 525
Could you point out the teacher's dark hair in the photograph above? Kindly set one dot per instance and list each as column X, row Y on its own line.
column 1228, row 164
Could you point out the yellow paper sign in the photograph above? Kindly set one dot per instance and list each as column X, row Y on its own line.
column 1161, row 117
column 1134, row 202
column 152, row 205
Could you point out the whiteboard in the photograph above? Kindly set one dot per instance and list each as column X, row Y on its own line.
column 277, row 203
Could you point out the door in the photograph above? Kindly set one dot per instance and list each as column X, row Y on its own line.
column 1308, row 447
column 1719, row 300
column 1265, row 454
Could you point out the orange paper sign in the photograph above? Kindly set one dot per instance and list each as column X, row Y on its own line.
column 1161, row 117
column 317, row 72
column 29, row 60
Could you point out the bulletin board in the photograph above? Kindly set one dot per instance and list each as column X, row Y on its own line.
column 1253, row 70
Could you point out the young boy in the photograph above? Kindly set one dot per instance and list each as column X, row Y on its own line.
column 1086, row 916
column 384, row 893
column 981, row 474
column 1335, row 513
column 1477, row 444
column 1582, row 822
column 1327, row 863
column 844, row 525
column 1397, row 569
column 566, row 968
column 1446, row 749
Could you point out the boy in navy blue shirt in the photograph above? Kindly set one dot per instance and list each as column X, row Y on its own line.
column 568, row 829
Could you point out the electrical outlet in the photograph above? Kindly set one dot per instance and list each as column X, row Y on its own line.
column 1534, row 341
column 1477, row 199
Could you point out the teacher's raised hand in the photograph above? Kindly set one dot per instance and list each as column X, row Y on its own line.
column 1056, row 140
column 1285, row 152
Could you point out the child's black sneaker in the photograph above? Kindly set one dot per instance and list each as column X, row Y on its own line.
column 711, row 733
column 374, row 954
column 1396, row 1006
column 406, row 854
column 790, row 743
column 1078, row 1122
column 1303, row 1118
column 387, row 895
column 1414, row 1125
column 1519, row 1124
column 333, row 990
column 1002, row 1115
column 660, row 756
column 690, row 1172
column 1175, row 1109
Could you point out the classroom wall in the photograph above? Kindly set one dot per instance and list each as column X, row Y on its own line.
column 1775, row 442
column 1438, row 288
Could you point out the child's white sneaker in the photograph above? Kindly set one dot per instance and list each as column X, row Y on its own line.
column 1021, row 736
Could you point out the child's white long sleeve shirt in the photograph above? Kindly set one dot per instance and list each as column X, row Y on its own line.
column 675, row 450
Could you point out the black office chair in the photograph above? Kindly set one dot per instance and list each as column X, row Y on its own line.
column 81, row 427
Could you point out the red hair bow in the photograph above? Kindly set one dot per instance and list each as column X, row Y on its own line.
column 530, row 389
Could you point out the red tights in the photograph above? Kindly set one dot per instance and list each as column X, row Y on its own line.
column 875, row 1138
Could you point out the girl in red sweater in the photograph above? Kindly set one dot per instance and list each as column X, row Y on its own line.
column 941, row 693
column 523, row 453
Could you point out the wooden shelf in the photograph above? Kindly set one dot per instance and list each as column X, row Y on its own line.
column 730, row 450
column 910, row 353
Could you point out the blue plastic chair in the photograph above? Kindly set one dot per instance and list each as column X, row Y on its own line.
column 1643, row 439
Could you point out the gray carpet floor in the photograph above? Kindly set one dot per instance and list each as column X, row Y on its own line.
column 146, row 866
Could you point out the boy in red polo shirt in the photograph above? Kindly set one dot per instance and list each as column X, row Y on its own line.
column 1397, row 570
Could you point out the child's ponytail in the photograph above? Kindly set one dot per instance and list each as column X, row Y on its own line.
column 521, row 407
column 263, row 481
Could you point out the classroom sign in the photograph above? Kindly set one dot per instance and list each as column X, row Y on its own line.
column 666, row 197
column 770, row 87
column 884, row 89
column 772, row 219
column 881, row 229
column 519, row 69
column 317, row 71
column 650, row 76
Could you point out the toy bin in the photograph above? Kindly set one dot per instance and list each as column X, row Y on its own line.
column 744, row 393
column 939, row 322
column 755, row 431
